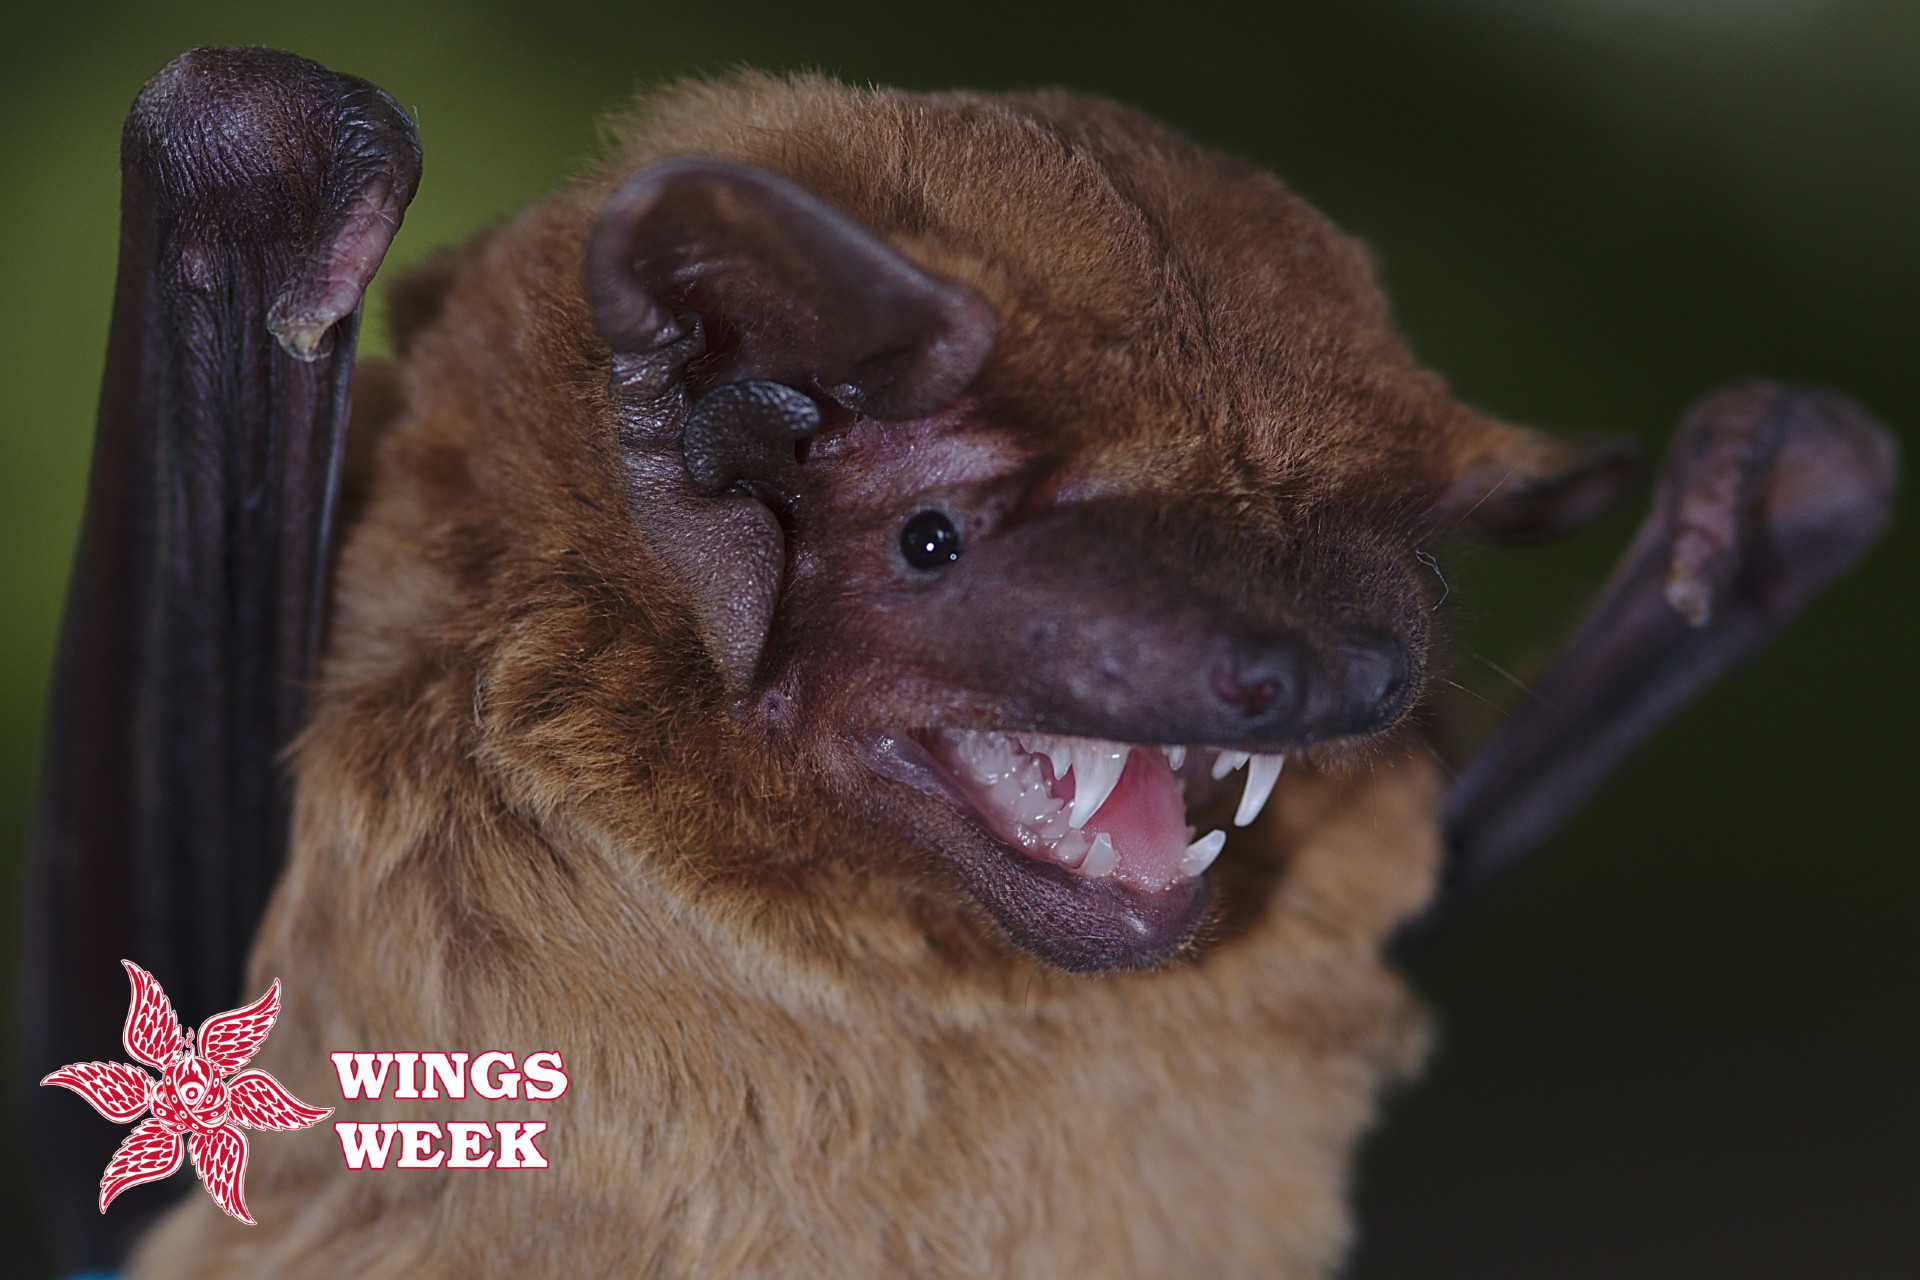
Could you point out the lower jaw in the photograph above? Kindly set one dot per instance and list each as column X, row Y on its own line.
column 1084, row 926
column 1074, row 922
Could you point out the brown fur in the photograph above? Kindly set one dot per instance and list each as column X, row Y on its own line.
column 526, row 820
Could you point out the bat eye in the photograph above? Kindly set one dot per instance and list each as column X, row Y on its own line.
column 929, row 540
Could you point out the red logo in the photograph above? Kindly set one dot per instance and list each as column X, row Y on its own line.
column 197, row 1094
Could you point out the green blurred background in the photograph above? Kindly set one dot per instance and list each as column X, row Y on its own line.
column 1681, row 1043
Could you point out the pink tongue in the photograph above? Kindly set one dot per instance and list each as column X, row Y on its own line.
column 1146, row 818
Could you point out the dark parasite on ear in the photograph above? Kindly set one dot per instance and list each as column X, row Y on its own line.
column 745, row 429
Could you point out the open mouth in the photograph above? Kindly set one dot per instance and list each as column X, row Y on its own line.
column 1083, row 848
column 1100, row 809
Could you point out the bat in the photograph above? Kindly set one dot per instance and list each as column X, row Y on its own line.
column 886, row 631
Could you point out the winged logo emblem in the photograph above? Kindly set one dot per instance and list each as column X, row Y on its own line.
column 198, row 1096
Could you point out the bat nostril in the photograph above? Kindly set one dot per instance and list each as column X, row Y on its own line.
column 1374, row 674
column 1286, row 689
column 1264, row 684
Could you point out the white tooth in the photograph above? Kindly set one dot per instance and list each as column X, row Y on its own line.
column 1004, row 796
column 1176, row 756
column 991, row 756
column 1202, row 852
column 1071, row 850
column 1096, row 771
column 1262, row 773
column 1056, row 751
column 1227, row 761
column 1061, row 756
column 1101, row 859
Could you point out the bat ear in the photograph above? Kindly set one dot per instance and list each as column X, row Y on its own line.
column 1529, row 485
column 787, row 303
column 779, row 286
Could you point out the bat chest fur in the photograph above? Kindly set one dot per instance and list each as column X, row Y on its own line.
column 732, row 1112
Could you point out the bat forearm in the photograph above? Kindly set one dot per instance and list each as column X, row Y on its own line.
column 1768, row 494
column 260, row 193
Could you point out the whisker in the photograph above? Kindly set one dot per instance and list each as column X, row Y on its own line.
column 1475, row 693
column 1517, row 682
column 1468, row 513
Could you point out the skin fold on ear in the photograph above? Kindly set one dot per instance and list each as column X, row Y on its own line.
column 785, row 302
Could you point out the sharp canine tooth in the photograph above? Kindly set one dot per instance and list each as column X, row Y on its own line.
column 1227, row 761
column 1201, row 853
column 1176, row 756
column 1096, row 771
column 1262, row 772
column 1062, row 757
column 1101, row 859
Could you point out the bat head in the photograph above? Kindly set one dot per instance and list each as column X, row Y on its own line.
column 1014, row 470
